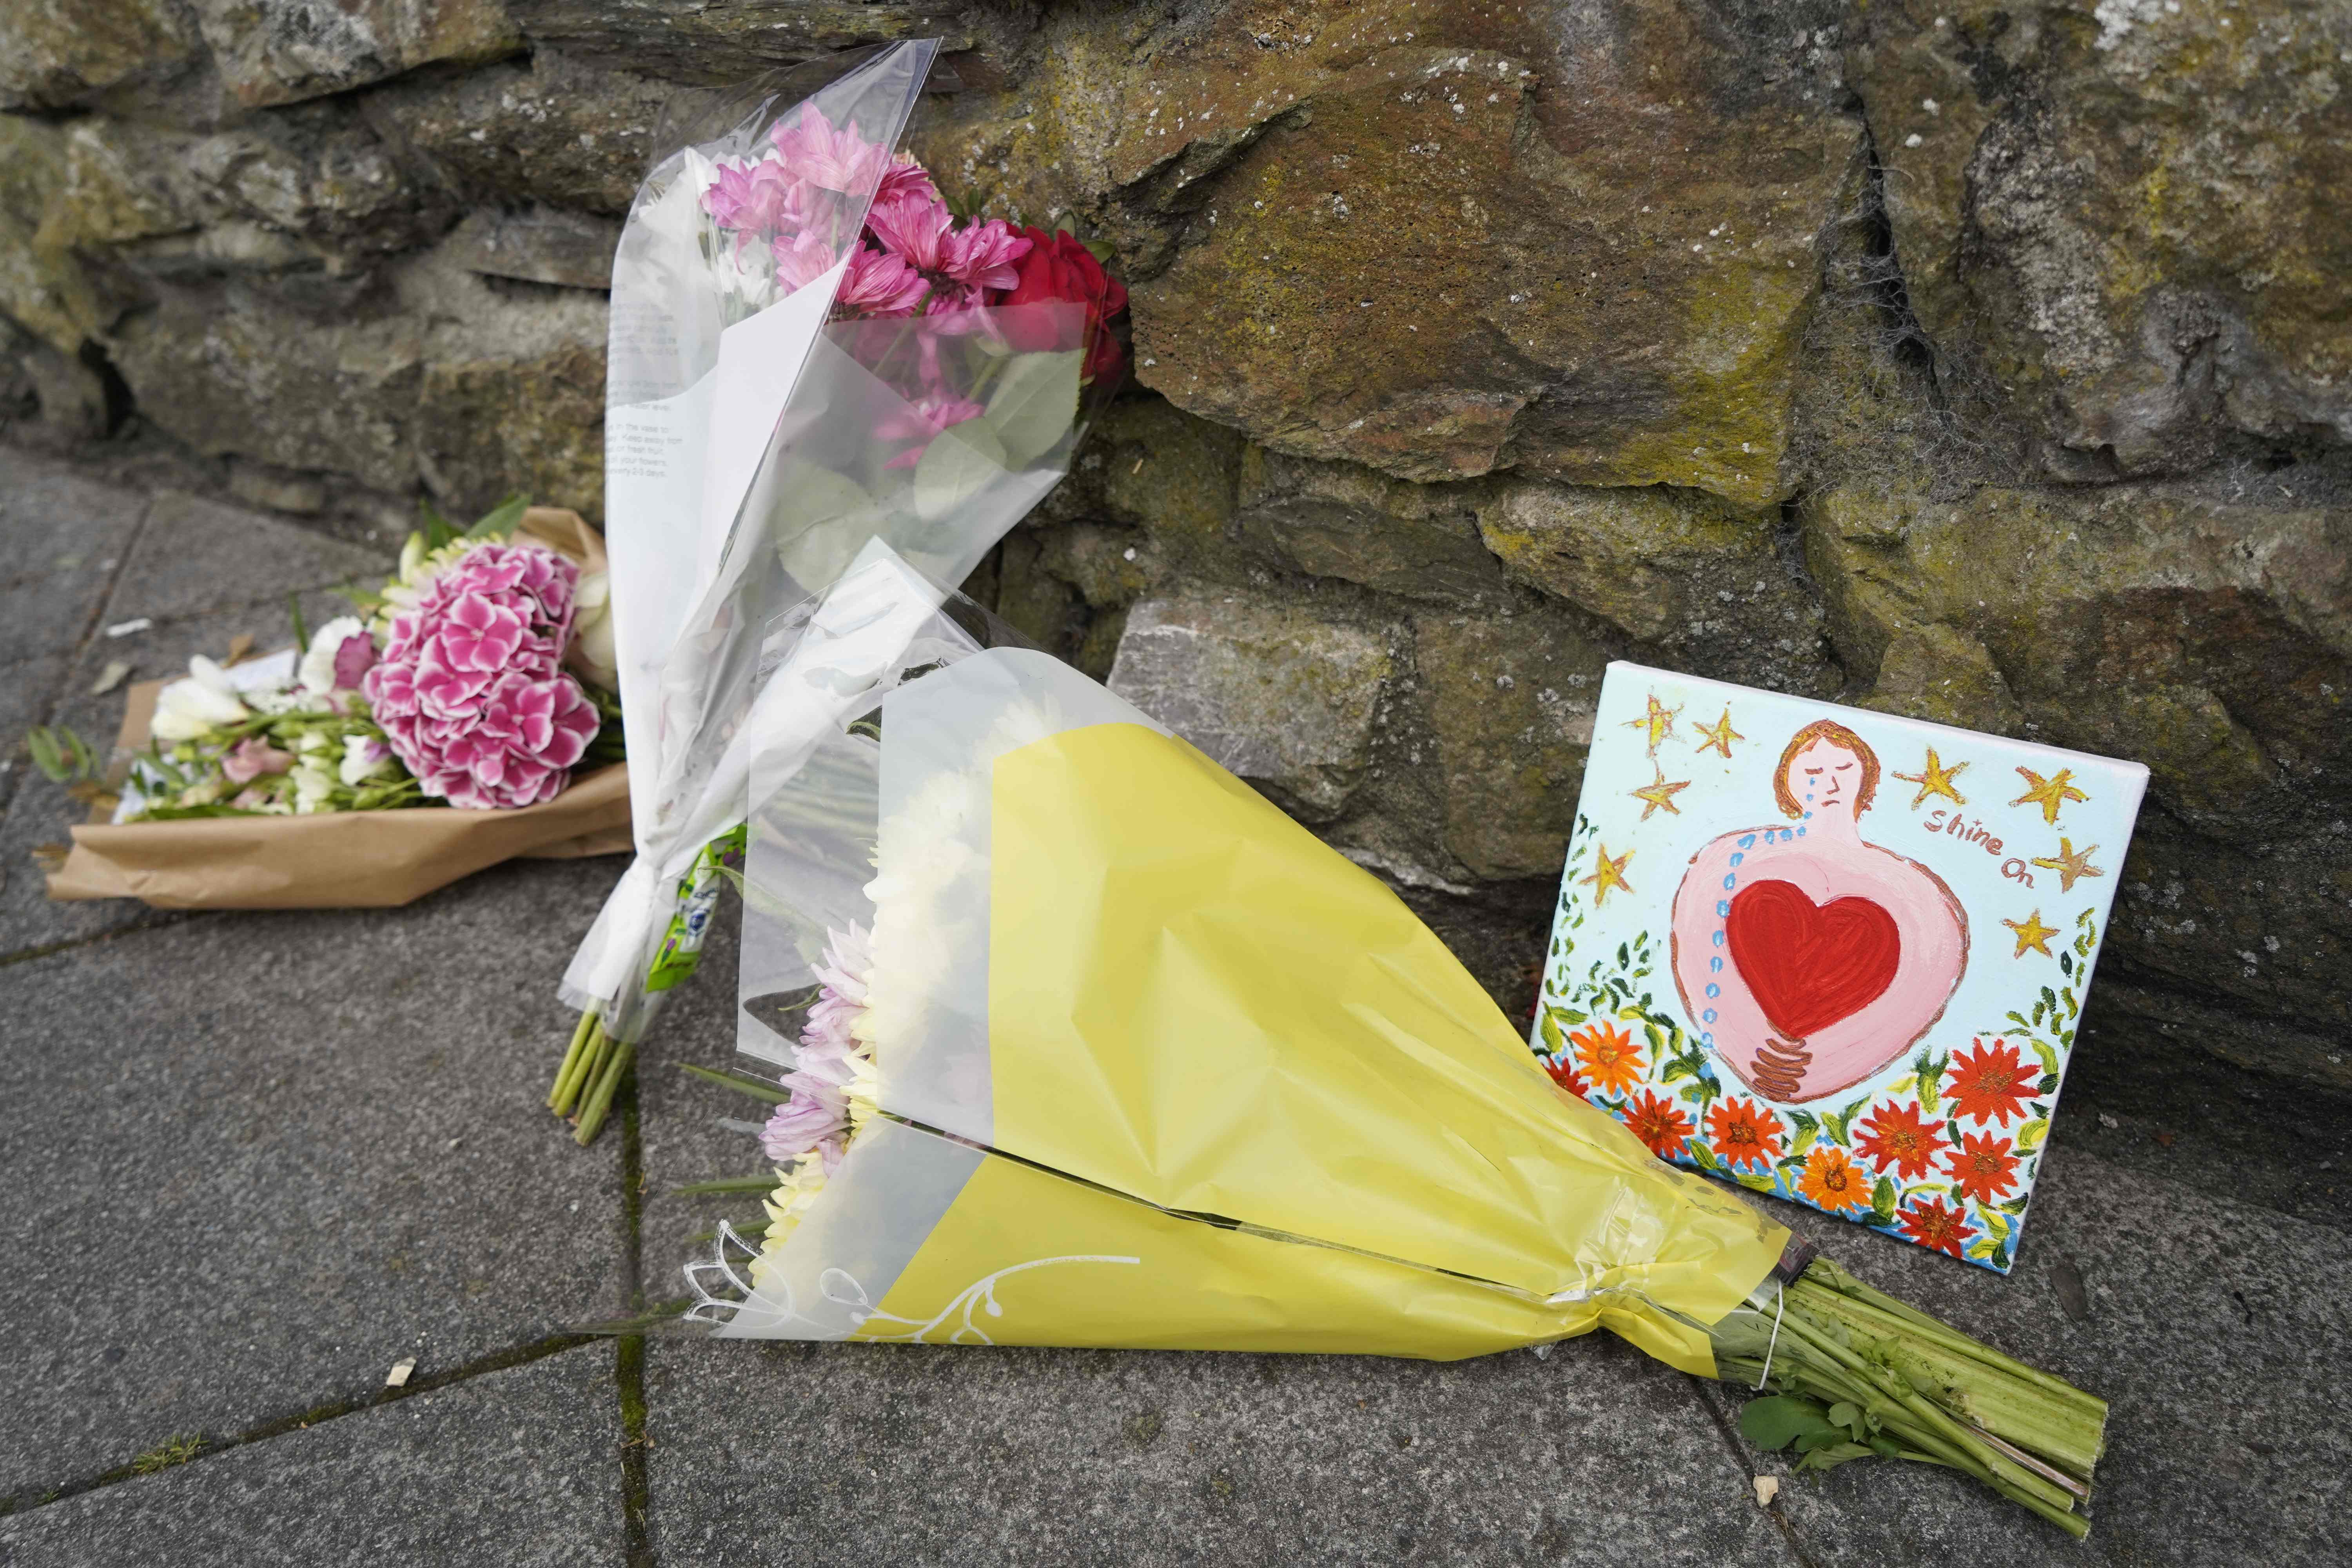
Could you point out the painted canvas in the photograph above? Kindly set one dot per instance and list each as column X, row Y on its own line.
column 1828, row 954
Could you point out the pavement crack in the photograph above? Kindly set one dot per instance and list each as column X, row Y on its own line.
column 629, row 1350
column 149, row 919
column 201, row 1449
column 1742, row 1464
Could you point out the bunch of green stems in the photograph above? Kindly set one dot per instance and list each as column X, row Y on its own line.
column 1863, row 1374
column 590, row 1076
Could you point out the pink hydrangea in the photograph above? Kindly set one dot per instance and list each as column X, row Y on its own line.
column 469, row 690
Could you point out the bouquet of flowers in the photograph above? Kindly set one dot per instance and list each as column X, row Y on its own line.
column 1068, row 1037
column 473, row 681
column 811, row 350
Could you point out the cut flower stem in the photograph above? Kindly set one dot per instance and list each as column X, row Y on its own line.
column 1858, row 1373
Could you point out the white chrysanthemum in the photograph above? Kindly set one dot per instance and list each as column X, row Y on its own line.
column 797, row 1189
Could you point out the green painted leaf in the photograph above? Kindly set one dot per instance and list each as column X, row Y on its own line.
column 2029, row 1136
column 2049, row 1057
column 1882, row 1201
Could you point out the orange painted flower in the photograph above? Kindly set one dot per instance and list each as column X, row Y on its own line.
column 1611, row 1061
column 1563, row 1073
column 1896, row 1140
column 1833, row 1181
column 1930, row 1224
column 1658, row 1122
column 1982, row 1166
column 1991, row 1083
column 1743, row 1133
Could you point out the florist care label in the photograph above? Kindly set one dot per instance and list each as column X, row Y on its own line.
column 1832, row 955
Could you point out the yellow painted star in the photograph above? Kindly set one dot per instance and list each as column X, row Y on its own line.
column 1933, row 778
column 2069, row 866
column 1659, row 721
column 1607, row 873
column 2030, row 932
column 2050, row 794
column 1718, row 736
column 1653, row 795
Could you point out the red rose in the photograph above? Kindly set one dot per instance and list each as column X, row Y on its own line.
column 1058, row 267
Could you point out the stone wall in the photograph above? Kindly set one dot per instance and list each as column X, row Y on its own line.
column 1987, row 361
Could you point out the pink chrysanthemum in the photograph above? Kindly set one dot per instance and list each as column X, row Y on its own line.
column 469, row 690
column 817, row 1118
column 833, row 158
column 924, row 232
column 877, row 283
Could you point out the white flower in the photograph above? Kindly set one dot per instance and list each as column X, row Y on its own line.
column 591, row 654
column 203, row 702
column 364, row 758
column 318, row 671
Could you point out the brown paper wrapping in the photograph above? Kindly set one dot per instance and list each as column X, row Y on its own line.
column 353, row 859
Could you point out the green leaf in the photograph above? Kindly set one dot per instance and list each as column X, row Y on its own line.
column 1754, row 1180
column 1882, row 1201
column 961, row 461
column 1034, row 404
column 1702, row 1156
column 1841, row 1124
column 1676, row 1069
column 2049, row 1057
column 2029, row 1136
column 1848, row 1415
column 500, row 519
column 1831, row 1457
column 1624, row 960
column 1777, row 1420
column 1902, row 1085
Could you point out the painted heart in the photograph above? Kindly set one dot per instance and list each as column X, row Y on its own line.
column 1807, row 965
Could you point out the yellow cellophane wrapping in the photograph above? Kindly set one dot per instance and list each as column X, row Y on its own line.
column 1199, row 1007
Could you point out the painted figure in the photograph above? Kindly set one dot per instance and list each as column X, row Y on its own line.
column 1806, row 957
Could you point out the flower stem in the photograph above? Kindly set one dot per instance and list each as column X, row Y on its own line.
column 557, row 1096
column 1915, row 1388
column 600, row 1097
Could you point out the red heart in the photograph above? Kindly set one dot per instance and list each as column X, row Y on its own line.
column 1807, row 965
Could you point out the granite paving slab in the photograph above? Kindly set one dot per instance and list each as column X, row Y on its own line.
column 519, row 1468
column 258, row 1157
column 196, row 556
column 62, row 536
column 938, row 1454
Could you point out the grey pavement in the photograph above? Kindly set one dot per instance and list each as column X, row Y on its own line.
column 253, row 1160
